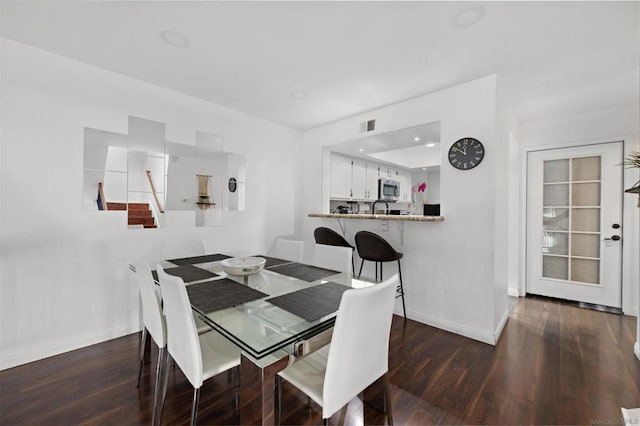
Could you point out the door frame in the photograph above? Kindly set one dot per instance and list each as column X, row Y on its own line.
column 627, row 231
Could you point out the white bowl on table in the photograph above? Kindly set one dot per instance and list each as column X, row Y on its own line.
column 243, row 266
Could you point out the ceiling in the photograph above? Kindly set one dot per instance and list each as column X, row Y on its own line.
column 415, row 148
column 346, row 58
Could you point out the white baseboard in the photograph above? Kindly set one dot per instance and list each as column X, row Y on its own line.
column 453, row 327
column 513, row 292
column 636, row 350
column 33, row 352
column 500, row 327
column 631, row 311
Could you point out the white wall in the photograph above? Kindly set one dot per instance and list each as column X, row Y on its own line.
column 448, row 267
column 598, row 126
column 63, row 271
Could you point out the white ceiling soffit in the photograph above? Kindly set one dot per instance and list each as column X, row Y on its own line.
column 304, row 64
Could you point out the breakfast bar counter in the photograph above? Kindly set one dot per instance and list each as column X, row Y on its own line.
column 398, row 219
column 404, row 218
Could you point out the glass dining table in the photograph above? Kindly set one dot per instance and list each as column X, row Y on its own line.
column 273, row 316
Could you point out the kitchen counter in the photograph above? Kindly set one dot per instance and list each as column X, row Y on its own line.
column 403, row 218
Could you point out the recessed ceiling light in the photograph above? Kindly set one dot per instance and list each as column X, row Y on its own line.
column 298, row 94
column 468, row 17
column 361, row 149
column 424, row 168
column 431, row 145
column 416, row 139
column 174, row 39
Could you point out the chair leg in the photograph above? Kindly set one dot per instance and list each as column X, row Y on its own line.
column 194, row 407
column 165, row 382
column 353, row 266
column 376, row 271
column 143, row 344
column 236, row 385
column 381, row 276
column 156, row 389
column 387, row 395
column 404, row 309
column 361, row 264
column 278, row 399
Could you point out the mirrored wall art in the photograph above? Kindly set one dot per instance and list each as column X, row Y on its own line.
column 145, row 175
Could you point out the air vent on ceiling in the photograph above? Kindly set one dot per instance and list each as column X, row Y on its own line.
column 367, row 126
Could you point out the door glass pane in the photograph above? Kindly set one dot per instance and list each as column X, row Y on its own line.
column 555, row 243
column 585, row 220
column 585, row 245
column 556, row 171
column 555, row 267
column 571, row 207
column 587, row 168
column 556, row 195
column 585, row 270
column 555, row 219
column 585, row 194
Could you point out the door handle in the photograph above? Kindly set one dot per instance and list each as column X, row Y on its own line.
column 613, row 238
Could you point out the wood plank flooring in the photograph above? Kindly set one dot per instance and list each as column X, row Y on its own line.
column 554, row 364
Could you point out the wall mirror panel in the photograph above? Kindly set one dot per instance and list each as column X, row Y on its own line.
column 209, row 162
column 235, row 182
column 105, row 169
column 410, row 157
column 145, row 175
column 181, row 166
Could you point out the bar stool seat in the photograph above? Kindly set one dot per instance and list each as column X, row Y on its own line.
column 329, row 237
column 374, row 248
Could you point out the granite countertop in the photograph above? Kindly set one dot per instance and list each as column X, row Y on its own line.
column 405, row 218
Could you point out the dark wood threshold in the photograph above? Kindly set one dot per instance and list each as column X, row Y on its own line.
column 595, row 307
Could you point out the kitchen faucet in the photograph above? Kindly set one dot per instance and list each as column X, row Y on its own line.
column 386, row 210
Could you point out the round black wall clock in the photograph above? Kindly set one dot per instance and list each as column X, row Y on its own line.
column 466, row 153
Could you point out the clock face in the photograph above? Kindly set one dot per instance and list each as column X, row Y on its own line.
column 466, row 153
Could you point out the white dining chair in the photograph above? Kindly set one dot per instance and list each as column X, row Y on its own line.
column 356, row 357
column 179, row 248
column 288, row 250
column 200, row 357
column 332, row 257
column 153, row 323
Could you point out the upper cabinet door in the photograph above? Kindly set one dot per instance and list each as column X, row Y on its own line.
column 359, row 180
column 372, row 182
column 340, row 177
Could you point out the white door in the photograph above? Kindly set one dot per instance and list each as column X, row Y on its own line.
column 574, row 219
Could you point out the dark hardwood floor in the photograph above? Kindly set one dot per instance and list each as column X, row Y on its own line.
column 554, row 364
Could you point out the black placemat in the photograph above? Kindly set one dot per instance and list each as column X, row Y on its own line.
column 303, row 272
column 188, row 273
column 312, row 303
column 272, row 261
column 199, row 259
column 214, row 295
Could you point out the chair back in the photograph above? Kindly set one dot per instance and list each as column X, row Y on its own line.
column 374, row 248
column 288, row 249
column 176, row 249
column 183, row 342
column 332, row 257
column 359, row 349
column 329, row 237
column 152, row 316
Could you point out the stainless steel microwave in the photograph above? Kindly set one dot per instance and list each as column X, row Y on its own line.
column 388, row 189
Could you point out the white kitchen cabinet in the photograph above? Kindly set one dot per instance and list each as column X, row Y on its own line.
column 404, row 178
column 359, row 180
column 372, row 182
column 340, row 177
column 364, row 183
